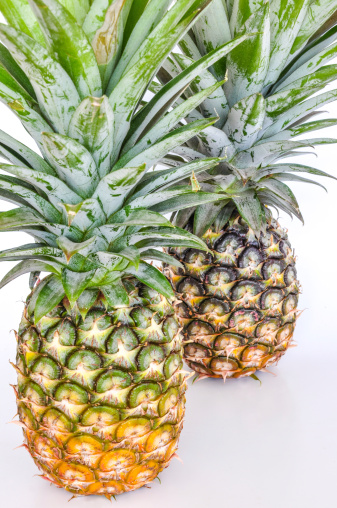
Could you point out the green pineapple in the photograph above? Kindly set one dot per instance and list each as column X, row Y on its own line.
column 239, row 302
column 100, row 389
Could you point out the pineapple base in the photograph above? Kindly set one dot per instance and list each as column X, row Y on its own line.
column 238, row 303
column 101, row 393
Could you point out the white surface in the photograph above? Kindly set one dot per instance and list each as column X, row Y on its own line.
column 269, row 446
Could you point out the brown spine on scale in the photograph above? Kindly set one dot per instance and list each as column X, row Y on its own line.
column 238, row 303
column 101, row 393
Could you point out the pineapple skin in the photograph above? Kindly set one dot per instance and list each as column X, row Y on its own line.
column 238, row 303
column 101, row 398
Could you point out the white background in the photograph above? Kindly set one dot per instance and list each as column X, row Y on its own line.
column 268, row 446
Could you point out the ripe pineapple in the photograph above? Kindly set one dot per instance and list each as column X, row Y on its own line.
column 239, row 302
column 100, row 389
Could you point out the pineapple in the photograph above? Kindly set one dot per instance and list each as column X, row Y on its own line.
column 100, row 390
column 238, row 304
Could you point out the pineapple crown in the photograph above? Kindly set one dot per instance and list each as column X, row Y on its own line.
column 75, row 74
column 268, row 96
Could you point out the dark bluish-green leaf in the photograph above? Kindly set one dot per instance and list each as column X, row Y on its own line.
column 116, row 294
column 49, row 296
column 205, row 216
column 152, row 277
column 27, row 266
column 74, row 283
column 250, row 209
column 157, row 255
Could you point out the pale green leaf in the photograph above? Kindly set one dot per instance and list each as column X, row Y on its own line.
column 78, row 8
column 108, row 40
column 141, row 217
column 247, row 65
column 286, row 19
column 92, row 125
column 164, row 179
column 163, row 146
column 56, row 93
column 300, row 111
column 22, row 105
column 245, row 121
column 28, row 157
column 56, row 190
column 318, row 13
column 69, row 43
column 211, row 31
column 30, row 197
column 162, row 101
column 115, row 187
column 147, row 19
column 20, row 217
column 72, row 162
column 15, row 70
column 19, row 15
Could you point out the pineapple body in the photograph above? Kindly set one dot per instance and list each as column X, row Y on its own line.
column 238, row 303
column 101, row 392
